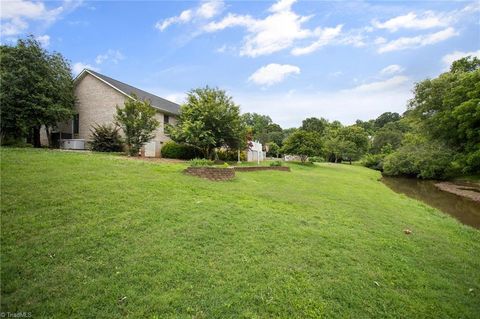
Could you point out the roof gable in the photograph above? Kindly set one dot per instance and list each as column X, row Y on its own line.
column 156, row 101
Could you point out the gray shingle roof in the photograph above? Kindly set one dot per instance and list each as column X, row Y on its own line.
column 156, row 101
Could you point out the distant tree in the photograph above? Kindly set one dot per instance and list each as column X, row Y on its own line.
column 303, row 144
column 137, row 120
column 392, row 134
column 273, row 149
column 385, row 118
column 368, row 126
column 36, row 90
column 345, row 143
column 314, row 124
column 208, row 120
column 262, row 128
column 276, row 137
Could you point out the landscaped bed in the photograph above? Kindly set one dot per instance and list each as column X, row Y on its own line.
column 94, row 235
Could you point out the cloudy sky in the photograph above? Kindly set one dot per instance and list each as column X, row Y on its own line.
column 287, row 59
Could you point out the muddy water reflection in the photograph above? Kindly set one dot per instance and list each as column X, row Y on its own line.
column 465, row 210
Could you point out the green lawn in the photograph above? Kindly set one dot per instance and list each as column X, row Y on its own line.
column 89, row 235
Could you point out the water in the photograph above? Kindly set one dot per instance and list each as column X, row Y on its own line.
column 465, row 210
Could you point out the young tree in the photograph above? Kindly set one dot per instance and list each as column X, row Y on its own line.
column 303, row 144
column 209, row 119
column 36, row 90
column 137, row 120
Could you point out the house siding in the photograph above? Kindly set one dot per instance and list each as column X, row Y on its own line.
column 96, row 104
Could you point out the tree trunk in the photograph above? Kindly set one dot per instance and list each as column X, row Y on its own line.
column 49, row 136
column 36, row 137
column 336, row 158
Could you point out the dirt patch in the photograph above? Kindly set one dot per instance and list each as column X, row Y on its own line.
column 467, row 190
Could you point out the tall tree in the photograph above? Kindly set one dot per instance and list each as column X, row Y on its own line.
column 36, row 90
column 208, row 120
column 137, row 120
column 303, row 144
column 313, row 124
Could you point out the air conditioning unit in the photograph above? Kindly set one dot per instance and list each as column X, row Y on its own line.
column 72, row 144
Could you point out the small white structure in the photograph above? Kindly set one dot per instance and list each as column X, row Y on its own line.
column 152, row 149
column 290, row 158
column 255, row 153
column 72, row 144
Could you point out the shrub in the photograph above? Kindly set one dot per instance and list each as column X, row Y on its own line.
column 178, row 151
column 196, row 162
column 316, row 159
column 373, row 161
column 426, row 160
column 230, row 155
column 276, row 163
column 106, row 138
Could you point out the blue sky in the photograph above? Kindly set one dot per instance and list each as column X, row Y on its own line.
column 287, row 59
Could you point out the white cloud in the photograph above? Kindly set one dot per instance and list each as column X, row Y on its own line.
column 277, row 31
column 16, row 15
column 389, row 84
column 456, row 55
column 325, row 37
column 44, row 40
column 207, row 10
column 273, row 73
column 417, row 41
column 289, row 108
column 113, row 56
column 392, row 69
column 380, row 40
column 79, row 66
column 411, row 20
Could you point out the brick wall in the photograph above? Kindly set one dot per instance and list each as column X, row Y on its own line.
column 211, row 173
column 96, row 103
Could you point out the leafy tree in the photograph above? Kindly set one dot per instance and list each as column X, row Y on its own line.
column 314, row 124
column 106, row 138
column 466, row 64
column 209, row 119
column 273, row 149
column 349, row 142
column 303, row 144
column 276, row 137
column 36, row 90
column 447, row 109
column 137, row 120
column 390, row 134
column 368, row 126
column 385, row 118
column 262, row 128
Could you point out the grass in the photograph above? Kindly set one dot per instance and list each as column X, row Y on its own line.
column 93, row 235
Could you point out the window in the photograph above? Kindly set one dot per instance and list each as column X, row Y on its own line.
column 166, row 119
column 76, row 124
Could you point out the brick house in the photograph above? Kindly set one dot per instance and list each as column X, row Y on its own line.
column 97, row 96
